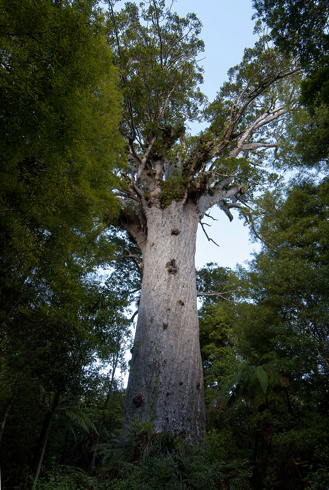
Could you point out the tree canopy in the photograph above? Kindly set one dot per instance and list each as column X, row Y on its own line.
column 156, row 52
column 58, row 124
column 301, row 29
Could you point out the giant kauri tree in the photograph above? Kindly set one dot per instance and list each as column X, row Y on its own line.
column 173, row 179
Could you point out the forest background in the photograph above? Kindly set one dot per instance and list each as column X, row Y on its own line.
column 263, row 333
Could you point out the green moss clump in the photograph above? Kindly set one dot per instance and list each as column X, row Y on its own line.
column 172, row 190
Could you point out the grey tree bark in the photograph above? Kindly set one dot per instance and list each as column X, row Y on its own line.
column 166, row 380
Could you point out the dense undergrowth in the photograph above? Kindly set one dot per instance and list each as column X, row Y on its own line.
column 224, row 460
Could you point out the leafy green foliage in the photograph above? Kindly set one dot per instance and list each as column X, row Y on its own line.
column 153, row 460
column 59, row 144
column 61, row 152
column 156, row 52
column 63, row 477
column 270, row 400
column 59, row 353
column 305, row 140
column 263, row 332
column 301, row 28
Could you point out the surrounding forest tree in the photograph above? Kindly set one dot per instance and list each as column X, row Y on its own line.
column 301, row 28
column 61, row 150
column 59, row 141
column 298, row 27
column 266, row 355
column 172, row 181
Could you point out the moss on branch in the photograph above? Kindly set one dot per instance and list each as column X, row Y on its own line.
column 173, row 189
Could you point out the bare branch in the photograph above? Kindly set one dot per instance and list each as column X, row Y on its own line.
column 259, row 122
column 133, row 158
column 209, row 216
column 254, row 146
column 133, row 256
column 275, row 116
column 245, row 204
column 144, row 159
column 209, row 239
column 127, row 193
column 249, row 99
column 221, row 295
column 138, row 191
column 166, row 102
column 226, row 208
column 262, row 87
column 126, row 293
column 133, row 317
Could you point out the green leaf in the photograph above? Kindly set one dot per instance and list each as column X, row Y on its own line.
column 262, row 378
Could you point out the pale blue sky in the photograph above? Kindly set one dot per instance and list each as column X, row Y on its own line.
column 227, row 30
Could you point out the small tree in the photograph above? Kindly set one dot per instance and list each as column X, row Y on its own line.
column 172, row 181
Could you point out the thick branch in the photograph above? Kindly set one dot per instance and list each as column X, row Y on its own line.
column 144, row 159
column 254, row 146
column 226, row 208
column 130, row 221
column 206, row 201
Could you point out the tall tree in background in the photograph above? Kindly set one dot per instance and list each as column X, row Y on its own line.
column 58, row 136
column 264, row 339
column 300, row 28
column 173, row 180
column 60, row 152
column 282, row 330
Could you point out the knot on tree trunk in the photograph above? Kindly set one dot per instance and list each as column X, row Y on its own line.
column 171, row 266
column 138, row 399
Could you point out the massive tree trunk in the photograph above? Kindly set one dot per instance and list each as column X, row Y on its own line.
column 166, row 380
